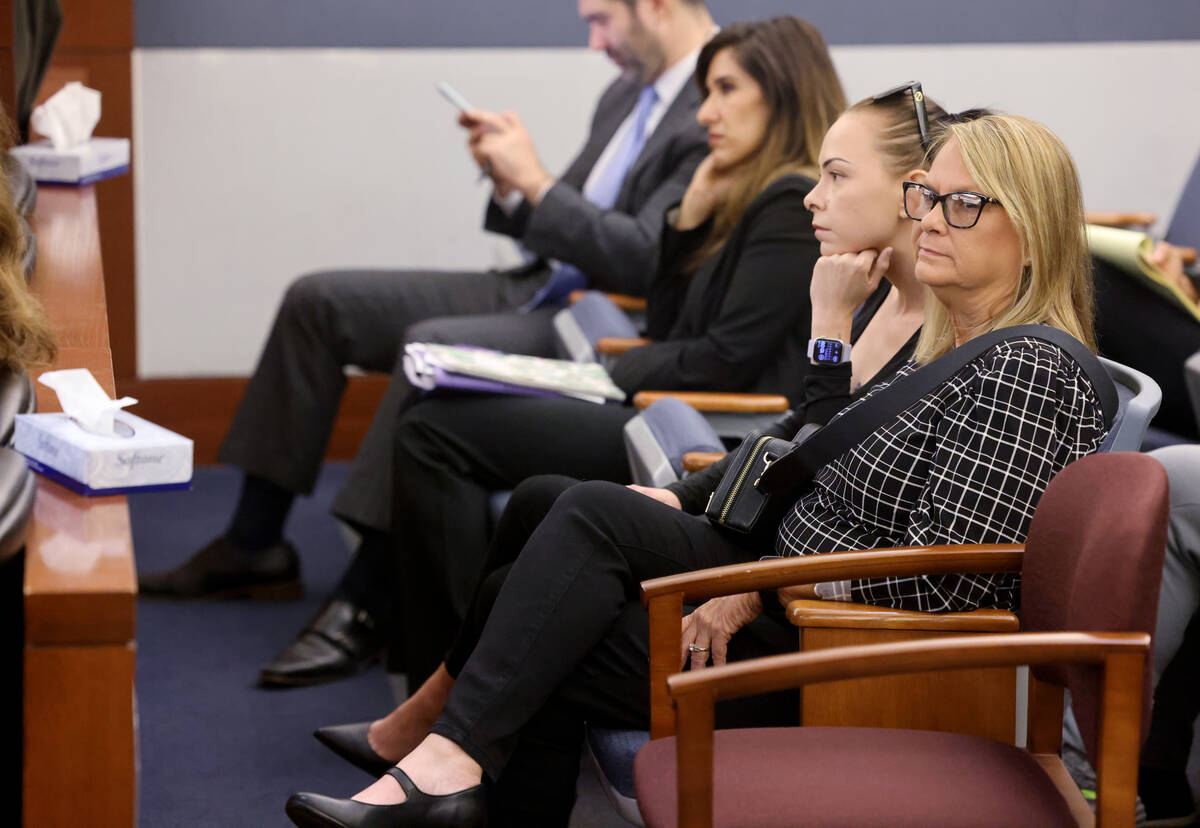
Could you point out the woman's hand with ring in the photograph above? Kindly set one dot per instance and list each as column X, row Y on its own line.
column 706, row 632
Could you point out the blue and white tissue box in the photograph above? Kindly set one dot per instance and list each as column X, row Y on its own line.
column 139, row 457
column 91, row 161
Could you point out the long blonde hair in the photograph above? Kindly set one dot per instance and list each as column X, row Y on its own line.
column 788, row 59
column 1025, row 167
column 25, row 337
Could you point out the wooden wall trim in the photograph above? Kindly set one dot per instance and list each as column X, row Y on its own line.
column 80, row 589
column 202, row 408
column 8, row 71
column 8, row 82
column 95, row 47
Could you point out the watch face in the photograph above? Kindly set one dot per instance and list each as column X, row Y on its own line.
column 827, row 350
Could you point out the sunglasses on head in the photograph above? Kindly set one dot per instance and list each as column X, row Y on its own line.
column 918, row 98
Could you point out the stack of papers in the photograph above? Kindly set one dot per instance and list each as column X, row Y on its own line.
column 1129, row 250
column 465, row 368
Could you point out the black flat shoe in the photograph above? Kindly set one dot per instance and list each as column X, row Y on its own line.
column 349, row 741
column 465, row 809
column 222, row 570
column 338, row 642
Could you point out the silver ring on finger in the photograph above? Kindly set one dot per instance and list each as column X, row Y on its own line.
column 692, row 648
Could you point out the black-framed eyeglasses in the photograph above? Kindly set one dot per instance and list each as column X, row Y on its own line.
column 918, row 103
column 961, row 208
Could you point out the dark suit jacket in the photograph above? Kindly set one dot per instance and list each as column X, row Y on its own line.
column 617, row 248
column 742, row 322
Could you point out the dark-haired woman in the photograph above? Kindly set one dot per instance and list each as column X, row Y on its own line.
column 728, row 310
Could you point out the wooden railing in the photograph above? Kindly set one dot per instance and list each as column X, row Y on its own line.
column 80, row 585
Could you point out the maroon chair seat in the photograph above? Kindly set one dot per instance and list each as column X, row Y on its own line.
column 889, row 778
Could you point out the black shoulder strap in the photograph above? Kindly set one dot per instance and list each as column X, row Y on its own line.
column 847, row 431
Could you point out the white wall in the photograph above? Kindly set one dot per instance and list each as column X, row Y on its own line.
column 253, row 166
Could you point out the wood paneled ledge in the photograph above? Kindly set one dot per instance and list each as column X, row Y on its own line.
column 80, row 583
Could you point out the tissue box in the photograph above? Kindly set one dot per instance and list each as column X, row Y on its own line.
column 141, row 457
column 85, row 164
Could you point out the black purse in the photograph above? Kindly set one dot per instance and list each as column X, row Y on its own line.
column 737, row 503
column 766, row 474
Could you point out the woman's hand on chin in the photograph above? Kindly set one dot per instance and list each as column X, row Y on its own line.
column 708, row 189
column 840, row 283
column 706, row 632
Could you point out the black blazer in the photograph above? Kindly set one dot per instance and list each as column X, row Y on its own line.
column 742, row 322
column 616, row 248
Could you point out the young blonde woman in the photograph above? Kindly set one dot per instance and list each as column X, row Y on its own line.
column 859, row 220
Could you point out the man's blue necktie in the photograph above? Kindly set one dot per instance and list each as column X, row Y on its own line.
column 603, row 193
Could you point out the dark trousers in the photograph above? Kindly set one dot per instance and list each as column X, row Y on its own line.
column 333, row 319
column 565, row 639
column 451, row 454
column 1137, row 327
column 1168, row 742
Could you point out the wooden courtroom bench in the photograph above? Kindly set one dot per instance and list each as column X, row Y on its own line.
column 80, row 586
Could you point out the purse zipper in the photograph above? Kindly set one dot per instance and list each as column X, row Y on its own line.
column 741, row 478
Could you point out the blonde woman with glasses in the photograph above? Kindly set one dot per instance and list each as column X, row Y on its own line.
column 964, row 465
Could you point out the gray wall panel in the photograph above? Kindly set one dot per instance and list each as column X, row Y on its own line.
column 553, row 23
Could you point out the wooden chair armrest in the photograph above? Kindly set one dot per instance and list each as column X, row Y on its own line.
column 1122, row 655
column 664, row 597
column 622, row 300
column 717, row 401
column 835, row 566
column 783, row 672
column 616, row 345
column 844, row 615
column 1121, row 218
column 695, row 461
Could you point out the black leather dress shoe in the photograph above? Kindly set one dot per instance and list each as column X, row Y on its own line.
column 221, row 570
column 349, row 741
column 465, row 809
column 341, row 640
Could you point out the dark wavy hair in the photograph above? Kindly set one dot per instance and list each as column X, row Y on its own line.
column 789, row 61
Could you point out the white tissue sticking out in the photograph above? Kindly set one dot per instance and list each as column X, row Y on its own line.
column 82, row 398
column 68, row 116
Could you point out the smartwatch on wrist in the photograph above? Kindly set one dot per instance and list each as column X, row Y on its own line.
column 828, row 351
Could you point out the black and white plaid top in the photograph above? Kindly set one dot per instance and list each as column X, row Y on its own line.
column 966, row 464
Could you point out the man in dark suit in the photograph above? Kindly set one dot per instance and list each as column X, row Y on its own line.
column 598, row 224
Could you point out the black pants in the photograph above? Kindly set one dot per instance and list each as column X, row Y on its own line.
column 450, row 455
column 565, row 639
column 1168, row 744
column 333, row 319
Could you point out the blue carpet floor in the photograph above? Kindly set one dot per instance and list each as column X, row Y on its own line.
column 215, row 749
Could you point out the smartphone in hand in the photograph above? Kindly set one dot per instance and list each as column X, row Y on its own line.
column 455, row 97
column 464, row 106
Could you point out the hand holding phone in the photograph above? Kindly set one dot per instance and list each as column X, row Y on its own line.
column 464, row 106
column 455, row 97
